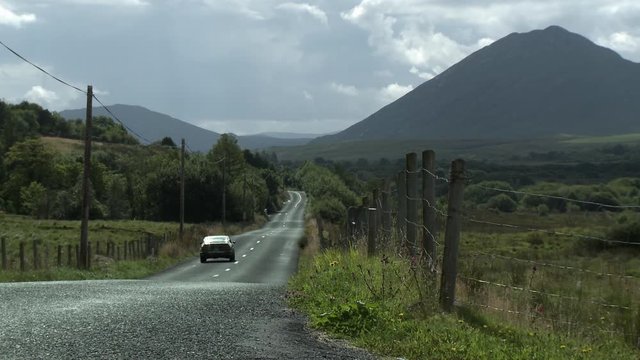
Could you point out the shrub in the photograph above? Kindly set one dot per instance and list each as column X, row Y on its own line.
column 479, row 194
column 503, row 203
column 626, row 232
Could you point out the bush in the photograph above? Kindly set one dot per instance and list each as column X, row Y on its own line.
column 543, row 210
column 479, row 194
column 330, row 209
column 626, row 232
column 502, row 202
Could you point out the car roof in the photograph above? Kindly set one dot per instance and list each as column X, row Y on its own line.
column 216, row 239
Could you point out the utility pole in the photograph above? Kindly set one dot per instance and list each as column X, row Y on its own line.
column 83, row 262
column 244, row 194
column 224, row 190
column 182, row 190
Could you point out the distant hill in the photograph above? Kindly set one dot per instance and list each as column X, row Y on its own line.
column 288, row 135
column 525, row 85
column 154, row 126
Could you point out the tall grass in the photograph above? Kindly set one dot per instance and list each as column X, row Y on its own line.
column 388, row 303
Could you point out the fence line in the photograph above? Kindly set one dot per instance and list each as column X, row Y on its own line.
column 518, row 288
column 423, row 170
column 568, row 304
column 536, row 315
column 557, row 197
column 41, row 257
column 551, row 232
column 558, row 266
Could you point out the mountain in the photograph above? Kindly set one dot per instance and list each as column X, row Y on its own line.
column 525, row 85
column 264, row 141
column 288, row 135
column 154, row 126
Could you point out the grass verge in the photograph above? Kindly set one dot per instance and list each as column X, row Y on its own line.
column 388, row 306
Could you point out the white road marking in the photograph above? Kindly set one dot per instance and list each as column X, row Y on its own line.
column 251, row 249
column 299, row 199
column 227, row 269
column 216, row 275
column 236, row 263
column 258, row 242
column 244, row 255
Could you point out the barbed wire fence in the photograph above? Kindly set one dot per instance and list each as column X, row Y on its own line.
column 568, row 294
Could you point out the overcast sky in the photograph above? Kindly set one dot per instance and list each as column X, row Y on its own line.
column 250, row 66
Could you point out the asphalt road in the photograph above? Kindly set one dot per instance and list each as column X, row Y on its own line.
column 216, row 310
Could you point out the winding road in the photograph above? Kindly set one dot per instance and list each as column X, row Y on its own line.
column 215, row 310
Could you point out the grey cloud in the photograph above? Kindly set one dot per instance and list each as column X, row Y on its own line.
column 244, row 65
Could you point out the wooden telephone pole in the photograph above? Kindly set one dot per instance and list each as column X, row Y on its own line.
column 224, row 190
column 83, row 262
column 182, row 189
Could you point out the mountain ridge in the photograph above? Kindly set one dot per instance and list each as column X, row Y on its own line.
column 153, row 126
column 525, row 85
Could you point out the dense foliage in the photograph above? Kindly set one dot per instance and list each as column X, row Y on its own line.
column 329, row 194
column 42, row 177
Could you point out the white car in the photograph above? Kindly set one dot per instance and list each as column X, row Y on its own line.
column 217, row 246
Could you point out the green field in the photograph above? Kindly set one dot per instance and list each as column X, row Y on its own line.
column 557, row 297
column 571, row 148
column 612, row 139
column 150, row 247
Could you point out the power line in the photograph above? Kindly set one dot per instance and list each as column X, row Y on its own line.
column 120, row 121
column 77, row 89
column 43, row 70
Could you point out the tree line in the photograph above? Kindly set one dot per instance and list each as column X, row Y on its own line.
column 41, row 175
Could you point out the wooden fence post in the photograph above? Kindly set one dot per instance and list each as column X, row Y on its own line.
column 88, row 255
column 22, row 256
column 3, row 249
column 429, row 234
column 78, row 260
column 401, row 218
column 372, row 232
column 59, row 255
column 386, row 212
column 452, row 236
column 125, row 249
column 68, row 255
column 46, row 256
column 376, row 203
column 98, row 252
column 36, row 256
column 118, row 253
column 412, row 204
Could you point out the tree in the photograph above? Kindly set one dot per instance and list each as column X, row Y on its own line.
column 34, row 200
column 26, row 162
column 503, row 203
column 167, row 141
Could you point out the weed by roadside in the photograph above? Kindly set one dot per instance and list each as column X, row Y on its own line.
column 388, row 305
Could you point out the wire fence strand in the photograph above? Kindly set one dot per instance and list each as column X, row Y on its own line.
column 559, row 296
column 552, row 265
